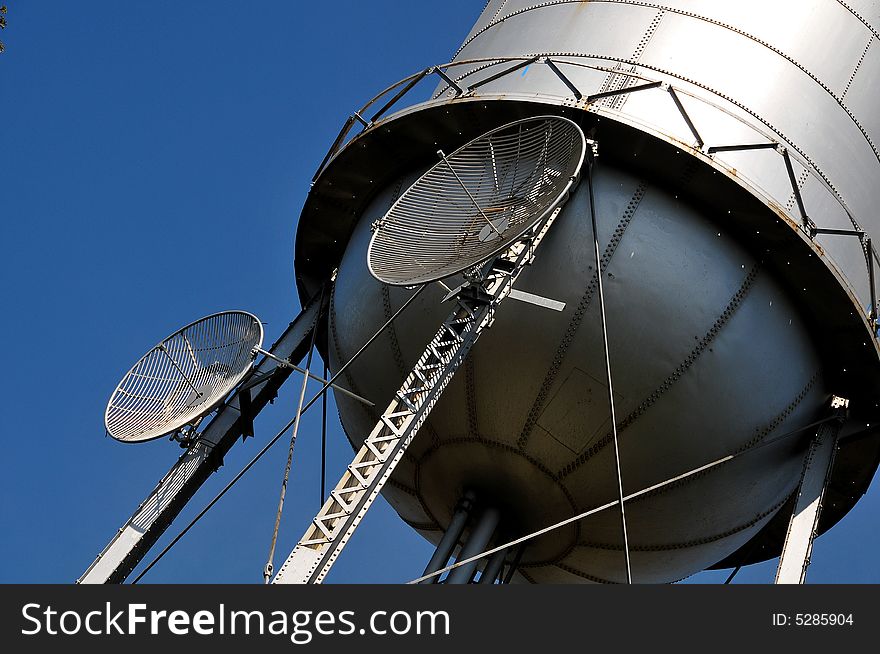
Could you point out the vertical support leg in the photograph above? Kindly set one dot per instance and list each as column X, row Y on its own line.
column 515, row 564
column 450, row 538
column 493, row 567
column 476, row 543
column 804, row 521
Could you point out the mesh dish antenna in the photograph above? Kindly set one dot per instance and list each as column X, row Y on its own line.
column 184, row 377
column 473, row 203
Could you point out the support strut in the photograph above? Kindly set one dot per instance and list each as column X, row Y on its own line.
column 475, row 311
column 477, row 542
column 802, row 527
column 234, row 418
column 450, row 538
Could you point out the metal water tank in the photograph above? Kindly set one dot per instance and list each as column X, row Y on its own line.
column 735, row 190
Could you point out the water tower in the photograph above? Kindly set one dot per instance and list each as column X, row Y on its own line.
column 611, row 288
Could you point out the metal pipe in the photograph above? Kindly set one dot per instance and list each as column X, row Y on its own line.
column 287, row 364
column 838, row 232
column 493, row 567
column 333, row 148
column 267, row 570
column 450, row 538
column 523, row 540
column 515, row 564
column 571, row 87
column 506, row 71
column 743, row 147
column 476, row 543
column 795, row 188
column 687, row 118
column 415, row 80
column 630, row 89
column 277, row 436
column 449, row 80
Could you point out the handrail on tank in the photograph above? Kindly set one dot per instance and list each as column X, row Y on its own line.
column 774, row 142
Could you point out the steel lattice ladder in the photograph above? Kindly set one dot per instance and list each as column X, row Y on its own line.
column 476, row 304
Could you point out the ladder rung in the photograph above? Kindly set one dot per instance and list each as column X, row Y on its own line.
column 395, row 429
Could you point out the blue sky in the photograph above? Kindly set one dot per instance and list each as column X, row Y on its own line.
column 155, row 157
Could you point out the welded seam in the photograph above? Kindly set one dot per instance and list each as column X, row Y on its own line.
column 505, row 447
column 525, row 575
column 417, row 479
column 860, row 17
column 790, row 144
column 401, row 487
column 471, row 395
column 666, row 547
column 499, row 10
column 624, row 81
column 858, row 65
column 759, row 435
column 370, row 413
column 673, row 377
column 578, row 317
column 422, row 526
column 688, row 171
column 579, row 573
column 779, row 419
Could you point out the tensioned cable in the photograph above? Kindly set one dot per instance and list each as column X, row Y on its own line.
column 277, row 436
column 323, row 441
column 267, row 571
column 614, row 503
column 733, row 574
column 608, row 367
column 747, row 555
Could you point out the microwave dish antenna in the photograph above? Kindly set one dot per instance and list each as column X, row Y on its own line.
column 475, row 202
column 184, row 377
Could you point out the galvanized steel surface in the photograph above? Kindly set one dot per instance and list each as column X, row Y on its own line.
column 695, row 324
column 805, row 70
column 716, row 346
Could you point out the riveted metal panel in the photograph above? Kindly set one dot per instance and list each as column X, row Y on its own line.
column 792, row 29
column 863, row 96
column 867, row 11
column 759, row 63
column 708, row 320
column 789, row 100
column 735, row 327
